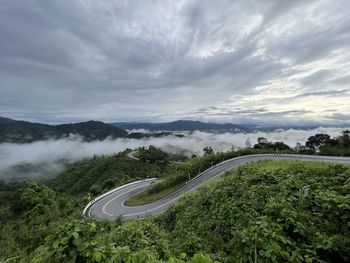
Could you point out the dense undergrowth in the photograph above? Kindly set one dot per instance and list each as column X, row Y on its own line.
column 271, row 211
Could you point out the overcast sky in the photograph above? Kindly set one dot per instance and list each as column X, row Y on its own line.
column 268, row 62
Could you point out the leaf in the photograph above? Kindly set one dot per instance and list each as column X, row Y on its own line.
column 77, row 242
column 64, row 241
column 82, row 247
column 75, row 235
column 97, row 256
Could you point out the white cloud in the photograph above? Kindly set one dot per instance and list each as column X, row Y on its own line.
column 48, row 156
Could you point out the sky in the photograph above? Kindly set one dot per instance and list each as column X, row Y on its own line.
column 268, row 62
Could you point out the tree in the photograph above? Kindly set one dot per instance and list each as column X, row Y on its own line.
column 280, row 146
column 263, row 143
column 315, row 142
column 153, row 155
column 262, row 140
column 345, row 138
column 208, row 150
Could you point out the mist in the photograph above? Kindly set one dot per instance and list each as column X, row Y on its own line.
column 45, row 158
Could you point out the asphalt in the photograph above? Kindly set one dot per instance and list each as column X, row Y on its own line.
column 111, row 205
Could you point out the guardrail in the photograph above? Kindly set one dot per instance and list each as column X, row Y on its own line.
column 222, row 163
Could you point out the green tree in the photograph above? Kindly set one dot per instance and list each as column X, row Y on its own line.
column 316, row 141
column 208, row 150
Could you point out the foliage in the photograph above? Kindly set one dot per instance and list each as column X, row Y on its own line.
column 295, row 213
column 316, row 141
column 31, row 214
column 79, row 241
column 325, row 145
column 186, row 171
column 152, row 155
column 208, row 150
column 100, row 174
column 264, row 144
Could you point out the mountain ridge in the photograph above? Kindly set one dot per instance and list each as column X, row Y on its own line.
column 14, row 131
column 182, row 125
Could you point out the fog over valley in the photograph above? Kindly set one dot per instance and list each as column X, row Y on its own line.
column 44, row 158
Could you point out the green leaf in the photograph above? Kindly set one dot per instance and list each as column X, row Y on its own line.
column 97, row 256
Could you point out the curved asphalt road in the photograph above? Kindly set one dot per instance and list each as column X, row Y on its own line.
column 111, row 205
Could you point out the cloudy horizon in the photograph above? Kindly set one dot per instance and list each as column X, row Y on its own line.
column 261, row 62
column 51, row 156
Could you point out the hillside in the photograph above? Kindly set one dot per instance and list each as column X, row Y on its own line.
column 182, row 125
column 271, row 211
column 23, row 131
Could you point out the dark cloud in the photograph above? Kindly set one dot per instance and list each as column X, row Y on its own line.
column 324, row 93
column 66, row 60
column 340, row 116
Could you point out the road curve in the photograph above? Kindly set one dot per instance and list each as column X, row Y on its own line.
column 110, row 206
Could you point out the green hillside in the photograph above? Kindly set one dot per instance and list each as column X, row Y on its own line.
column 271, row 211
column 24, row 132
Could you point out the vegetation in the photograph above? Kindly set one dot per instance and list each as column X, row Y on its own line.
column 277, row 146
column 44, row 226
column 325, row 145
column 103, row 173
column 24, row 132
column 271, row 211
column 152, row 155
column 146, row 197
column 184, row 172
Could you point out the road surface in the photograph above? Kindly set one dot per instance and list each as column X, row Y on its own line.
column 111, row 205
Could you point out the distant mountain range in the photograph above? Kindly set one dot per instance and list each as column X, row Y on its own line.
column 23, row 131
column 183, row 125
column 188, row 125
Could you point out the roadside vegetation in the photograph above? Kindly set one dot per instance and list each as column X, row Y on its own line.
column 271, row 211
column 321, row 144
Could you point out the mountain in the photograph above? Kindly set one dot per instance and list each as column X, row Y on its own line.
column 182, row 125
column 6, row 120
column 23, row 131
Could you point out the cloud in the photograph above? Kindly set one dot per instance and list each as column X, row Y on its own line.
column 63, row 60
column 20, row 161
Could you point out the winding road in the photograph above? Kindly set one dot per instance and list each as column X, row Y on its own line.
column 110, row 205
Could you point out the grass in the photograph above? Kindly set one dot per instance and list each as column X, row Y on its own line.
column 273, row 165
column 266, row 165
column 146, row 198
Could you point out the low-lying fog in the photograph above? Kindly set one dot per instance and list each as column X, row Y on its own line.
column 19, row 161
